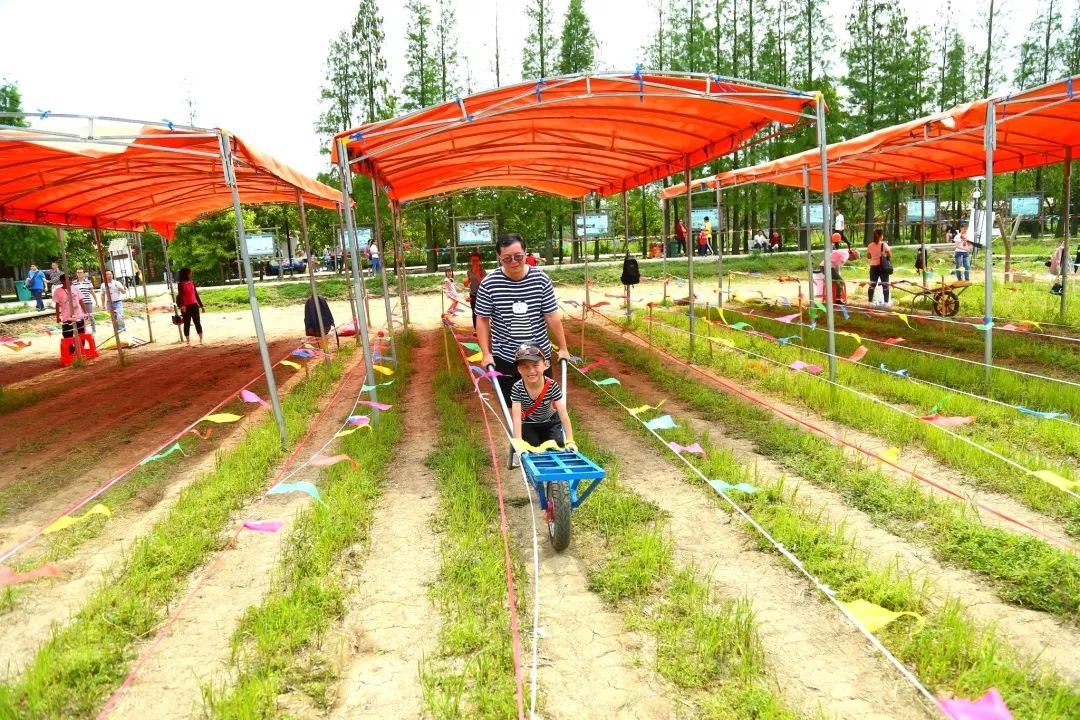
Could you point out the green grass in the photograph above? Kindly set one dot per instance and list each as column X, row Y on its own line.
column 12, row 399
column 829, row 553
column 276, row 646
column 705, row 645
column 295, row 292
column 14, row 309
column 472, row 673
column 82, row 663
column 901, row 430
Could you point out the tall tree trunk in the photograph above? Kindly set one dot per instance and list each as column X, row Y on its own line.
column 429, row 233
column 989, row 50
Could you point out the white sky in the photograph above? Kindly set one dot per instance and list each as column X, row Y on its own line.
column 256, row 69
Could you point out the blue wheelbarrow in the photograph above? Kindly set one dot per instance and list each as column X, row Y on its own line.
column 561, row 479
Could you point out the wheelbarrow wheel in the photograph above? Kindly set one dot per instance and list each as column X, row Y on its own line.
column 559, row 515
column 946, row 304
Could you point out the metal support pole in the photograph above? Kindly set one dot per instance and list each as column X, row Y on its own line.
column 809, row 244
column 63, row 250
column 377, row 239
column 108, row 300
column 358, row 290
column 399, row 265
column 1066, row 261
column 302, row 212
column 719, row 252
column 689, row 259
column 146, row 296
column 256, row 316
column 989, row 143
column 826, row 219
column 922, row 229
column 585, row 247
column 338, row 270
column 626, row 244
column 667, row 237
column 169, row 279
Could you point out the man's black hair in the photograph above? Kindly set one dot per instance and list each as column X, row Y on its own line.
column 507, row 240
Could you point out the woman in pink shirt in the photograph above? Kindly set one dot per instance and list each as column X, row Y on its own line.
column 880, row 256
column 68, row 304
column 189, row 302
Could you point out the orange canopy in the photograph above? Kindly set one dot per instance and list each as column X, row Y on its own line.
column 1033, row 129
column 150, row 176
column 569, row 136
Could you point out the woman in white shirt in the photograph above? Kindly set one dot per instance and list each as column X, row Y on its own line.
column 963, row 253
column 113, row 292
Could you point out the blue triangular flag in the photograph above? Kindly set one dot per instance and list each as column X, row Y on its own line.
column 301, row 486
column 721, row 486
column 664, row 422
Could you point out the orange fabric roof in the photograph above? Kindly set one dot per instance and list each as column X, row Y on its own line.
column 569, row 136
column 1033, row 129
column 160, row 178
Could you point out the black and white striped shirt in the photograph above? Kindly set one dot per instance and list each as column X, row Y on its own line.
column 544, row 412
column 86, row 290
column 516, row 309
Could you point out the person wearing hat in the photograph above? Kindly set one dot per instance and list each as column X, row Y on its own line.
column 537, row 407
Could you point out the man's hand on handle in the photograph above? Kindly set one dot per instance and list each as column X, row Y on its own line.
column 487, row 361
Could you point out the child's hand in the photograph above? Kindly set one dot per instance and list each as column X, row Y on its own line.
column 571, row 446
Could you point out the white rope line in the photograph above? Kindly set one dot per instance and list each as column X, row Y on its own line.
column 791, row 557
column 872, row 398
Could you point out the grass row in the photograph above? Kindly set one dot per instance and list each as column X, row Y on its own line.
column 951, row 654
column 12, row 399
column 472, row 673
column 1024, row 570
column 78, row 667
column 1033, row 442
column 899, row 429
column 705, row 645
column 276, row 645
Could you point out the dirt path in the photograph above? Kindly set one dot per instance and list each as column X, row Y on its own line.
column 911, row 458
column 798, row 629
column 587, row 657
column 195, row 651
column 391, row 623
column 60, row 448
column 1033, row 633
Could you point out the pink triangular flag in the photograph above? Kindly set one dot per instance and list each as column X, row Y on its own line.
column 808, row 367
column 248, row 396
column 358, row 420
column 859, row 354
column 788, row 318
column 263, row 525
column 376, row 405
column 894, row 341
column 990, row 706
column 593, row 364
column 327, row 460
column 947, row 422
column 10, row 577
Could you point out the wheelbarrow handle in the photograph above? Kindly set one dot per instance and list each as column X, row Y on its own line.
column 563, row 362
column 502, row 401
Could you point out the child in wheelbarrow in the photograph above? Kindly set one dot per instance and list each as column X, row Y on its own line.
column 538, row 409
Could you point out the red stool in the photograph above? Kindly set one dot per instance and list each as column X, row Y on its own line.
column 68, row 352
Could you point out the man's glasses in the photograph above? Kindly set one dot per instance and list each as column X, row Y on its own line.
column 511, row 258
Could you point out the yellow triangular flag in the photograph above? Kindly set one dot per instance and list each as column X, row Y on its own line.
column 290, row 363
column 522, row 446
column 381, row 369
column 475, row 357
column 904, row 317
column 1057, row 481
column 638, row 410
column 343, row 433
column 892, row 455
column 874, row 617
column 721, row 313
column 69, row 520
column 851, row 335
column 221, row 418
column 723, row 341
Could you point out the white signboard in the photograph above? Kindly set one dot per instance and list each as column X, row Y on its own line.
column 595, row 223
column 1025, row 205
column 261, row 245
column 918, row 210
column 363, row 237
column 817, row 214
column 475, row 232
column 698, row 215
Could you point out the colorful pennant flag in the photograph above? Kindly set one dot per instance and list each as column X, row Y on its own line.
column 859, row 354
column 383, row 370
column 522, row 446
column 303, row 486
column 594, row 363
column 250, row 397
column 874, row 617
column 376, row 405
column 844, row 311
column 990, row 706
column 369, row 388
column 267, row 526
column 939, row 405
column 850, row 335
column 69, row 520
column 175, row 447
column 10, row 577
column 808, row 367
column 1057, row 481
column 947, row 422
column 741, row 326
column 220, row 418
column 303, row 353
column 348, row 431
column 475, row 347
column 723, row 487
column 607, row 381
column 642, row 408
column 787, row 340
column 891, row 455
column 789, row 318
column 475, row 357
column 1044, row 415
column 723, row 341
column 664, row 422
column 360, row 420
column 894, row 341
column 202, row 436
column 904, row 317
column 695, row 448
column 319, row 460
column 290, row 363
column 899, row 373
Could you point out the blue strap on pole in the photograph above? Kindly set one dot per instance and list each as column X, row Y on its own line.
column 461, row 104
column 1069, row 89
column 641, row 82
column 539, row 84
column 46, row 113
column 168, row 122
column 358, row 135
